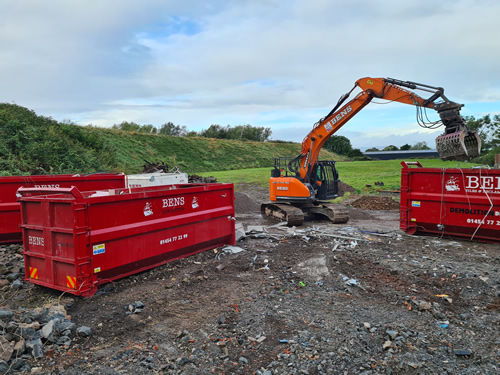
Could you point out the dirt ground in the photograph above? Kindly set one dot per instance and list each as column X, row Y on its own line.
column 354, row 298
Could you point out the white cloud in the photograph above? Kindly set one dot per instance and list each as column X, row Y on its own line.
column 267, row 63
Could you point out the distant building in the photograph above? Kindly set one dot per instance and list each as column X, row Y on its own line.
column 410, row 154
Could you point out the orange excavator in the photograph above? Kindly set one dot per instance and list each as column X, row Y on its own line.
column 301, row 186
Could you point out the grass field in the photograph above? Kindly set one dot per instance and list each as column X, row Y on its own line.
column 355, row 173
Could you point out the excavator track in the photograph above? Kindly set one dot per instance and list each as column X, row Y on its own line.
column 295, row 215
column 332, row 212
column 283, row 212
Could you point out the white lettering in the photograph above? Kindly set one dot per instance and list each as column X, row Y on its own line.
column 47, row 186
column 33, row 240
column 472, row 182
column 483, row 182
column 173, row 202
column 340, row 116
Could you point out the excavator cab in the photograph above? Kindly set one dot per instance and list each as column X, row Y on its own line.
column 325, row 179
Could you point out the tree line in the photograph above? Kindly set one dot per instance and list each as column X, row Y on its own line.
column 239, row 132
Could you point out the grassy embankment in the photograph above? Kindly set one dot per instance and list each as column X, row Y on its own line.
column 356, row 173
column 33, row 144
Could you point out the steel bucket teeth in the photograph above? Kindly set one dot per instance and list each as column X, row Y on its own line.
column 461, row 145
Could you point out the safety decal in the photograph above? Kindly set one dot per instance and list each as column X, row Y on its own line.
column 415, row 203
column 71, row 282
column 99, row 249
column 33, row 273
column 413, row 219
column 97, row 269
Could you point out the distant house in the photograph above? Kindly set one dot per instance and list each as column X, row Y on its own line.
column 410, row 154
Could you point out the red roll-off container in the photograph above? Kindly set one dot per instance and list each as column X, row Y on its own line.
column 10, row 215
column 455, row 202
column 75, row 241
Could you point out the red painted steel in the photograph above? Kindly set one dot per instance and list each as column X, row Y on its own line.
column 10, row 216
column 450, row 202
column 74, row 241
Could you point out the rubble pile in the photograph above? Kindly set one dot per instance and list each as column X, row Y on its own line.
column 375, row 203
column 33, row 334
column 11, row 267
column 196, row 179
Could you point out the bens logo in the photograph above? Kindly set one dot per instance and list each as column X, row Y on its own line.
column 340, row 116
column 173, row 202
column 33, row 240
column 483, row 182
column 47, row 186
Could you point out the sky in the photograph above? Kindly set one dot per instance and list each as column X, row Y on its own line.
column 267, row 63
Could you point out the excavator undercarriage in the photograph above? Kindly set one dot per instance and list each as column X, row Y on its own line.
column 295, row 215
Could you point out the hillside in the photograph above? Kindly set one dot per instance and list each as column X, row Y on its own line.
column 39, row 145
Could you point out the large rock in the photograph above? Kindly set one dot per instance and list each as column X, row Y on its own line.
column 6, row 315
column 36, row 348
column 48, row 330
column 5, row 350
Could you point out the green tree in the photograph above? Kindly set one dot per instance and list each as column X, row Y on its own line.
column 214, row 131
column 338, row 144
column 391, row 148
column 356, row 153
column 172, row 130
column 150, row 129
column 420, row 146
column 372, row 149
column 487, row 128
column 127, row 126
column 240, row 132
column 405, row 147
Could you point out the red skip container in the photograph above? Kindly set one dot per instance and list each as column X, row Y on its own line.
column 10, row 215
column 75, row 241
column 455, row 202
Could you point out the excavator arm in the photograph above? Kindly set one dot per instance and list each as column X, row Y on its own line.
column 457, row 143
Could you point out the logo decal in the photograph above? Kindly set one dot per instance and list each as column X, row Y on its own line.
column 452, row 184
column 195, row 204
column 148, row 210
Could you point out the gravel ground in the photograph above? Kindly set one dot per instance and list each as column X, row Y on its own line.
column 354, row 298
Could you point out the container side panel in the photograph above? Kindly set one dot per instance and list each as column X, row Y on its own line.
column 36, row 270
column 454, row 202
column 62, row 215
column 107, row 213
column 116, row 258
column 63, row 245
column 65, row 276
column 33, row 213
column 35, row 242
column 10, row 219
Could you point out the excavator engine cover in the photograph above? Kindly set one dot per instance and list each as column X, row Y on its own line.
column 460, row 145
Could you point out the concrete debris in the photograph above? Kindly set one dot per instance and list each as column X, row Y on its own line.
column 255, row 229
column 232, row 250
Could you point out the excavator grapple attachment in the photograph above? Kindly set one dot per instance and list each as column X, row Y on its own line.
column 460, row 145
